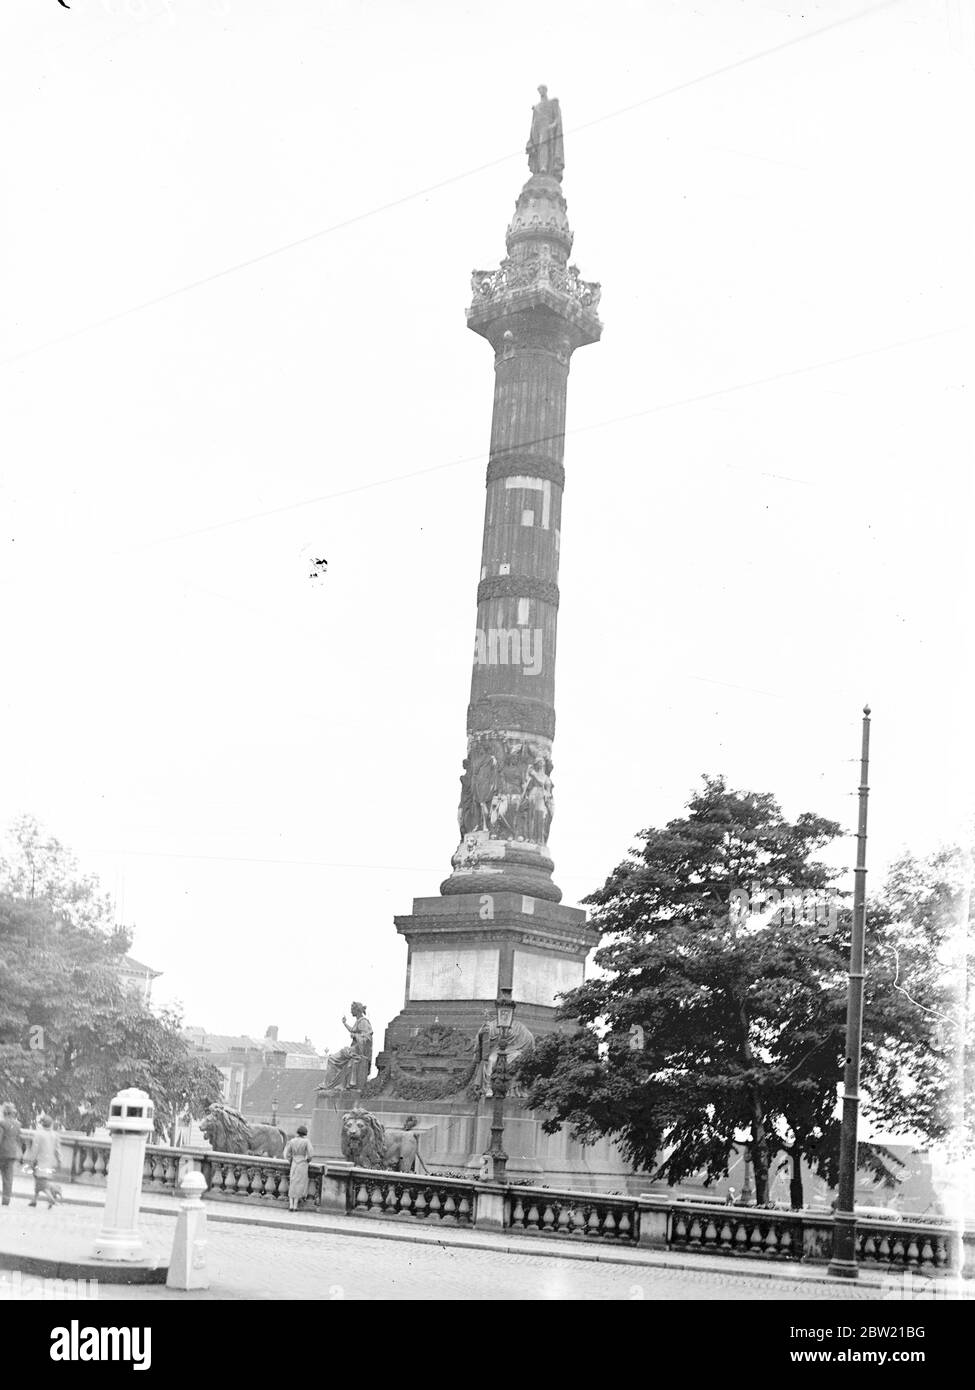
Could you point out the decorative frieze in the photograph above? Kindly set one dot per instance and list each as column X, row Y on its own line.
column 518, row 586
column 514, row 465
column 510, row 712
column 534, row 273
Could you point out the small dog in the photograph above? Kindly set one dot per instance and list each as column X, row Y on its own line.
column 46, row 1187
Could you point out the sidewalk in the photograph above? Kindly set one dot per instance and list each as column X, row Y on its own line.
column 408, row 1230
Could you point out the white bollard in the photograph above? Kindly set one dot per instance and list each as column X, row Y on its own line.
column 188, row 1262
column 130, row 1122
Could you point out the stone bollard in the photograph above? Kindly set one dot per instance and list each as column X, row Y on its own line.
column 188, row 1261
column 130, row 1122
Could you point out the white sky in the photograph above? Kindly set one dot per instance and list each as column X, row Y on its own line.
column 768, row 510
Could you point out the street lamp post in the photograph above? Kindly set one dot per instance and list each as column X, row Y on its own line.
column 844, row 1261
column 748, row 1192
column 505, row 1012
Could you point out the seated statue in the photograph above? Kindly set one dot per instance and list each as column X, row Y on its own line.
column 347, row 1069
column 519, row 1042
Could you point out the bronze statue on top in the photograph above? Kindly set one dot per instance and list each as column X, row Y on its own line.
column 544, row 148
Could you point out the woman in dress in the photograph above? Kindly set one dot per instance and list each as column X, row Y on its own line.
column 298, row 1151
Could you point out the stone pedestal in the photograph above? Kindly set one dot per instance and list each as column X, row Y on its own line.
column 463, row 948
column 454, row 1136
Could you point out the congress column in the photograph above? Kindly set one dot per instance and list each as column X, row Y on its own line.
column 499, row 918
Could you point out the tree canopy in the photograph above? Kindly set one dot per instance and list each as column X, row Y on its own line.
column 71, row 1035
column 720, row 1009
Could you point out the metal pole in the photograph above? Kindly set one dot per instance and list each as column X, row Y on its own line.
column 499, row 1089
column 844, row 1261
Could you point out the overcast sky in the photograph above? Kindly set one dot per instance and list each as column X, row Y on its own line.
column 237, row 245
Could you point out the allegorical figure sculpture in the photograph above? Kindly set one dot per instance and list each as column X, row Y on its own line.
column 348, row 1068
column 544, row 148
column 519, row 1041
column 536, row 800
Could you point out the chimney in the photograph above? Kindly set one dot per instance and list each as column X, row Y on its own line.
column 272, row 1034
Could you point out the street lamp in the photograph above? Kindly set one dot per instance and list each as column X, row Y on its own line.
column 844, row 1264
column 504, row 1011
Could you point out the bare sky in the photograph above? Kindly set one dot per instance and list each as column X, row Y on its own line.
column 767, row 517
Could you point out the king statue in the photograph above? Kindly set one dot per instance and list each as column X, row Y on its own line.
column 544, row 148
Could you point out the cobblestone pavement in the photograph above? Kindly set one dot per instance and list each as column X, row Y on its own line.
column 253, row 1262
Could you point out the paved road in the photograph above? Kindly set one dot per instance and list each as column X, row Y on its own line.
column 251, row 1262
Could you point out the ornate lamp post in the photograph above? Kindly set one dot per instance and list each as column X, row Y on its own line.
column 505, row 1012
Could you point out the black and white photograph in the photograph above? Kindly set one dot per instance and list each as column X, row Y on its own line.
column 486, row 740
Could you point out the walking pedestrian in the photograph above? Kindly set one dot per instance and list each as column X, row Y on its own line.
column 298, row 1151
column 44, row 1157
column 9, row 1148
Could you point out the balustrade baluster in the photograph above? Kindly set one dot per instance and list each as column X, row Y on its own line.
column 609, row 1223
column 548, row 1217
column 565, row 1217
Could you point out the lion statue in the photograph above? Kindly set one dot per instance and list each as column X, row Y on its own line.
column 366, row 1143
column 229, row 1133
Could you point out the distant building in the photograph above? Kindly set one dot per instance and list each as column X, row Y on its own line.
column 241, row 1058
column 296, row 1054
column 282, row 1095
column 137, row 978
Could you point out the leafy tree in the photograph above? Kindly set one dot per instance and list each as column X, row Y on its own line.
column 742, row 1013
column 919, row 1050
column 70, row 1035
column 37, row 868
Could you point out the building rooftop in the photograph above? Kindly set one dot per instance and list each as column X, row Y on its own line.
column 130, row 966
column 293, row 1090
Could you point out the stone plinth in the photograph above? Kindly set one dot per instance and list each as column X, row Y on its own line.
column 455, row 1134
column 463, row 948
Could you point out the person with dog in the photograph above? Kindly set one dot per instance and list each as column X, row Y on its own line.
column 44, row 1157
column 9, row 1148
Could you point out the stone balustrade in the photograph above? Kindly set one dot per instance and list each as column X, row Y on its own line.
column 649, row 1221
column 586, row 1216
column 413, row 1196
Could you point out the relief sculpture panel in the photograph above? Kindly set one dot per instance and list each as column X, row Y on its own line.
column 506, row 789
